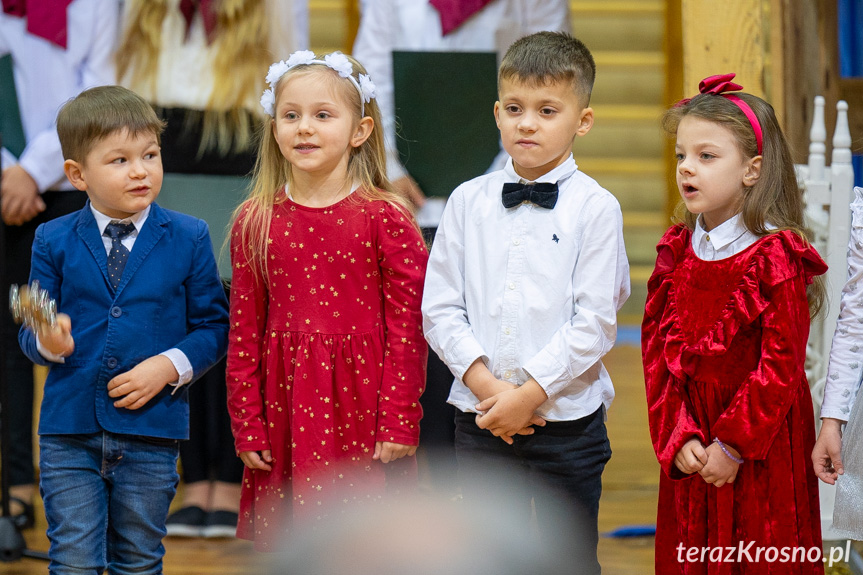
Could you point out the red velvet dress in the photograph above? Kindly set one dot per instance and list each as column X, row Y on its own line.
column 723, row 345
column 326, row 356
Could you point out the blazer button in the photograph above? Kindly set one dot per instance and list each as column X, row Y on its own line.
column 112, row 362
column 116, row 311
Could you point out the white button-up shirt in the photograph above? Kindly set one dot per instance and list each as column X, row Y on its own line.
column 46, row 76
column 533, row 292
column 723, row 241
column 845, row 369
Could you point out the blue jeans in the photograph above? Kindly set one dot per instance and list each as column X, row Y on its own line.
column 106, row 500
column 558, row 468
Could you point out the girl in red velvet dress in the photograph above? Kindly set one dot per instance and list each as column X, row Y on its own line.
column 724, row 342
column 326, row 361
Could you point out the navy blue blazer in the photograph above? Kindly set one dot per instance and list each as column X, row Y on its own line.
column 170, row 296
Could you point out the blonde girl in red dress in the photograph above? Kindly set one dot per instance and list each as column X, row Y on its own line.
column 326, row 361
column 724, row 342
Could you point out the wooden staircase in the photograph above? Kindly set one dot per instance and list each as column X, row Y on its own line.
column 624, row 150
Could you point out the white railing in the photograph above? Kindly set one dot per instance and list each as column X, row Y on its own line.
column 828, row 193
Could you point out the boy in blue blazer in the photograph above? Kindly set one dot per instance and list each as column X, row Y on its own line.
column 143, row 314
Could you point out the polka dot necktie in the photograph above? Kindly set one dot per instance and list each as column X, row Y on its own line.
column 119, row 254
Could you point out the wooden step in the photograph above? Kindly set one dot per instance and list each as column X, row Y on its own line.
column 628, row 85
column 635, row 192
column 596, row 166
column 633, row 31
column 632, row 140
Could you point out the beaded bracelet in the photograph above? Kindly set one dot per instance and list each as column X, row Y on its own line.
column 737, row 460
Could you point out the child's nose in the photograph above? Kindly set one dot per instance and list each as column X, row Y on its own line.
column 527, row 122
column 137, row 169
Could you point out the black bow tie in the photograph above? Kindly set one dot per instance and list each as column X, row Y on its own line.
column 542, row 194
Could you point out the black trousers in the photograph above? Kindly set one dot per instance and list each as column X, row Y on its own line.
column 209, row 453
column 19, row 370
column 559, row 468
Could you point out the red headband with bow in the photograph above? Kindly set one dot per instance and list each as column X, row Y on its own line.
column 719, row 85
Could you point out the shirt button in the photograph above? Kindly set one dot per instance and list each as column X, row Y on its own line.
column 511, row 285
column 116, row 311
column 112, row 363
column 516, row 241
column 707, row 237
column 506, row 331
column 507, row 374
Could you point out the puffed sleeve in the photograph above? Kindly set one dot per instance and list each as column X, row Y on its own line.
column 245, row 373
column 754, row 416
column 402, row 257
column 752, row 420
column 669, row 417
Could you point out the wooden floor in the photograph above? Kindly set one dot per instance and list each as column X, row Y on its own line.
column 629, row 497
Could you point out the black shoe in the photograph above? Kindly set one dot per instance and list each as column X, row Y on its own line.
column 27, row 518
column 221, row 524
column 187, row 522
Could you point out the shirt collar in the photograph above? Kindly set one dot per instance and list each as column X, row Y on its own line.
column 102, row 220
column 722, row 235
column 557, row 175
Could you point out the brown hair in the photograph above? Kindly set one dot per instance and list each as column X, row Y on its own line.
column 775, row 199
column 242, row 41
column 367, row 164
column 546, row 57
column 98, row 112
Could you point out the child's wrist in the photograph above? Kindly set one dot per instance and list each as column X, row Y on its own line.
column 727, row 451
column 534, row 392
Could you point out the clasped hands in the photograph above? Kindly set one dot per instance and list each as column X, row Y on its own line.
column 132, row 389
column 505, row 409
column 710, row 462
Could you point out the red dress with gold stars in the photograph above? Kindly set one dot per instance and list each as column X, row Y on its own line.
column 723, row 346
column 326, row 357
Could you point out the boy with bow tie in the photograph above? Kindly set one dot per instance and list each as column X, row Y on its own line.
column 524, row 281
column 144, row 314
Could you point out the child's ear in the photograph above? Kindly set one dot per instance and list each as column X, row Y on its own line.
column 753, row 172
column 585, row 122
column 364, row 130
column 497, row 114
column 75, row 174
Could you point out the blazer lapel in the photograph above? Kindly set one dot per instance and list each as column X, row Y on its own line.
column 148, row 237
column 88, row 231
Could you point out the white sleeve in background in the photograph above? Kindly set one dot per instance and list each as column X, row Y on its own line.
column 845, row 369
column 377, row 37
column 87, row 62
column 289, row 27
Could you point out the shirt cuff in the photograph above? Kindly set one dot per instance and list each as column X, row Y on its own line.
column 834, row 413
column 47, row 354
column 462, row 355
column 182, row 365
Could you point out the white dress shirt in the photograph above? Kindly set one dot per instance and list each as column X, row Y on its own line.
column 532, row 292
column 184, row 78
column 845, row 369
column 414, row 25
column 723, row 241
column 46, row 76
column 178, row 358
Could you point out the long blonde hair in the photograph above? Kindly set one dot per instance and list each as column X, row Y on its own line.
column 242, row 50
column 775, row 199
column 367, row 165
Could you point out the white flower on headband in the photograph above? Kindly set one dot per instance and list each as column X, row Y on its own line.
column 367, row 88
column 276, row 71
column 340, row 63
column 335, row 61
column 300, row 57
column 268, row 102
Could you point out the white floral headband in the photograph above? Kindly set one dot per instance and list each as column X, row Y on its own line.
column 336, row 61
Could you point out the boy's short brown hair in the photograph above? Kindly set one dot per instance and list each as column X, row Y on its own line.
column 98, row 112
column 545, row 57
